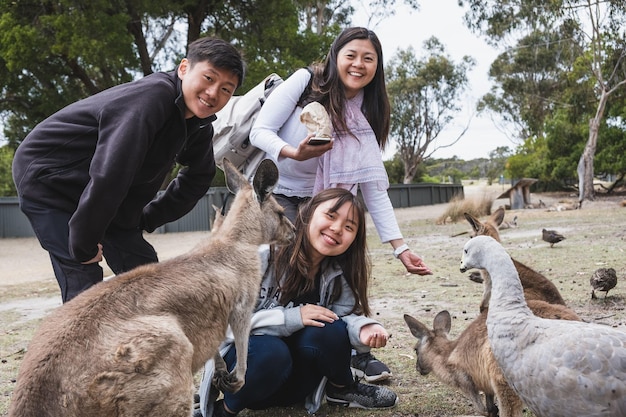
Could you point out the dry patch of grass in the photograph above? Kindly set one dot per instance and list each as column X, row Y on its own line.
column 477, row 206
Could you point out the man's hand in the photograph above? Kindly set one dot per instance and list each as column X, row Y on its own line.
column 96, row 258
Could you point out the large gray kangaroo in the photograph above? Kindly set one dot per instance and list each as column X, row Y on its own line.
column 130, row 346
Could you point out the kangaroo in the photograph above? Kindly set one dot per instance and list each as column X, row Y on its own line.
column 467, row 363
column 536, row 286
column 130, row 346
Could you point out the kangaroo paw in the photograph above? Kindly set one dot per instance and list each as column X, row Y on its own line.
column 227, row 382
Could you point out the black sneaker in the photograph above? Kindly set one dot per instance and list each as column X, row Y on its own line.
column 360, row 396
column 366, row 366
column 220, row 411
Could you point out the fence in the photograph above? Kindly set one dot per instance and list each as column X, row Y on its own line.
column 13, row 223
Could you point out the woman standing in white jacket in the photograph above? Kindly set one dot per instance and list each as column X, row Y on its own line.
column 350, row 85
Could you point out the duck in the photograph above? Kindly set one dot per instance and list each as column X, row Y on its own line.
column 552, row 236
column 559, row 368
column 602, row 279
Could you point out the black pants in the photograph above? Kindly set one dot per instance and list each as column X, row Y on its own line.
column 122, row 249
column 291, row 205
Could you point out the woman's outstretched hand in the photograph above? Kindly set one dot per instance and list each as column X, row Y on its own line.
column 414, row 264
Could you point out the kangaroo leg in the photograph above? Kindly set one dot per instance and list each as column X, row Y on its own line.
column 466, row 384
column 509, row 403
column 240, row 324
column 492, row 408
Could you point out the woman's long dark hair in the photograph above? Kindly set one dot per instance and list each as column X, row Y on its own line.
column 328, row 89
column 291, row 262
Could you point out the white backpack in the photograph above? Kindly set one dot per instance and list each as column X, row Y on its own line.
column 231, row 137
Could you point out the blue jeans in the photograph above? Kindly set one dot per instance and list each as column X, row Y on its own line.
column 123, row 249
column 283, row 371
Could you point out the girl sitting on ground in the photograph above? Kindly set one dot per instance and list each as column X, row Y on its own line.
column 313, row 307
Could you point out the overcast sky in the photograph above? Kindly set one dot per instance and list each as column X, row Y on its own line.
column 443, row 19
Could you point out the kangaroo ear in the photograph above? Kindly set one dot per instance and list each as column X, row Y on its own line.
column 473, row 221
column 442, row 322
column 234, row 179
column 498, row 216
column 417, row 329
column 265, row 178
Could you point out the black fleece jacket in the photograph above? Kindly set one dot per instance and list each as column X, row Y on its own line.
column 104, row 158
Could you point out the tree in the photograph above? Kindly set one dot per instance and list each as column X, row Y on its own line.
column 54, row 53
column 596, row 28
column 425, row 95
column 497, row 162
column 529, row 78
column 607, row 43
column 7, row 186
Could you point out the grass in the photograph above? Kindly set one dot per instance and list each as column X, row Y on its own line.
column 594, row 238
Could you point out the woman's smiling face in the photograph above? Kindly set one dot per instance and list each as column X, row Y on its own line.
column 357, row 62
column 331, row 233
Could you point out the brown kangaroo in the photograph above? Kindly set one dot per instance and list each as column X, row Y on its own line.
column 130, row 346
column 536, row 286
column 467, row 363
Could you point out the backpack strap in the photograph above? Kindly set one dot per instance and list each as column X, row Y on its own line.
column 307, row 90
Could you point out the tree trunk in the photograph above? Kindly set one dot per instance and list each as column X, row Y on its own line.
column 585, row 163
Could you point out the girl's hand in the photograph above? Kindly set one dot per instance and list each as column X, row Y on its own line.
column 374, row 335
column 414, row 264
column 314, row 315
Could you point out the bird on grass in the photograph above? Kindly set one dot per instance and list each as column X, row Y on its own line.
column 552, row 236
column 603, row 279
column 559, row 368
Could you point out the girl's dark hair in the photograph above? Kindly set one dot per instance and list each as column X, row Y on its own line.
column 329, row 90
column 291, row 262
column 219, row 53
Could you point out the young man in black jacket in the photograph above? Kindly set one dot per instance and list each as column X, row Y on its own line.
column 88, row 176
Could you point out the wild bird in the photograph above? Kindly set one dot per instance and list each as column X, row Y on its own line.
column 558, row 368
column 552, row 236
column 602, row 279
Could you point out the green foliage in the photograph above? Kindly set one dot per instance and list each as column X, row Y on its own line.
column 530, row 78
column 395, row 170
column 433, row 180
column 563, row 62
column 532, row 161
column 454, row 175
column 7, row 186
column 52, row 54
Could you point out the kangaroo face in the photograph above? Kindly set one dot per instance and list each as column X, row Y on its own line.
column 277, row 227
